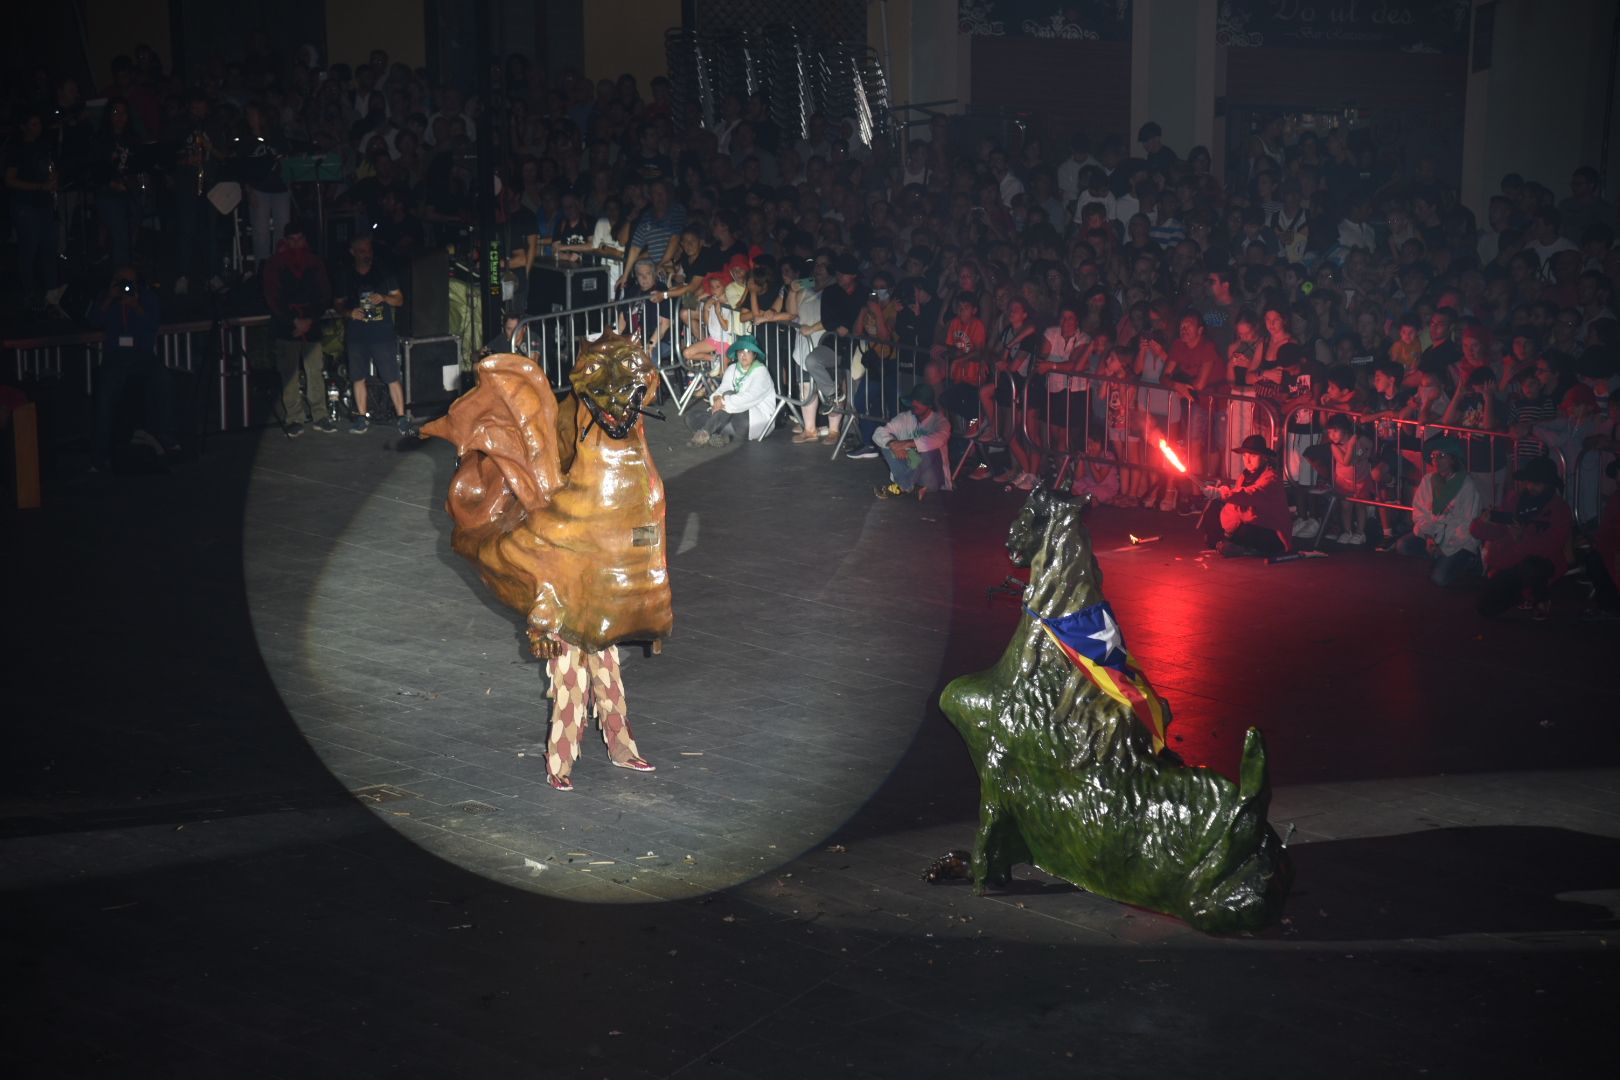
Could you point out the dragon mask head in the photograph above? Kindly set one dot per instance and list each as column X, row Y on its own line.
column 612, row 376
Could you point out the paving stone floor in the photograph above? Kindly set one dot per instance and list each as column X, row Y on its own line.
column 275, row 800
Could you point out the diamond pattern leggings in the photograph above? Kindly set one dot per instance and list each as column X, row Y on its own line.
column 580, row 681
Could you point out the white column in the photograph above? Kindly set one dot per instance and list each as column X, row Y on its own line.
column 1175, row 72
column 1477, row 185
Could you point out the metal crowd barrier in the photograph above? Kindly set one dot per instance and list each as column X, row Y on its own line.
column 871, row 375
column 40, row 358
column 1583, row 487
column 1185, row 436
column 1406, row 437
column 1190, row 435
column 553, row 339
column 1582, row 484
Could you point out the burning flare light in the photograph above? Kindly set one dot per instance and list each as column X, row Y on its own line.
column 1170, row 455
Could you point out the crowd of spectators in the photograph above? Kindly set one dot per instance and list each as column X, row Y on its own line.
column 1371, row 308
column 1119, row 280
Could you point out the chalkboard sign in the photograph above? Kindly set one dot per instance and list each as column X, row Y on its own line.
column 1417, row 26
column 1420, row 26
column 1077, row 20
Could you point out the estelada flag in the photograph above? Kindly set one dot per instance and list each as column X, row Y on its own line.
column 1091, row 638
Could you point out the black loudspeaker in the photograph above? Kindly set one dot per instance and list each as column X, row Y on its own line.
column 427, row 369
column 426, row 283
column 566, row 288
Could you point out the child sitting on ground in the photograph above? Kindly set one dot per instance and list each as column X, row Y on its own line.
column 1098, row 479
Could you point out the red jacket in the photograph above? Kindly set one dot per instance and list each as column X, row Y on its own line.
column 295, row 286
column 1546, row 534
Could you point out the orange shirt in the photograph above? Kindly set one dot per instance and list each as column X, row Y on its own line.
column 965, row 335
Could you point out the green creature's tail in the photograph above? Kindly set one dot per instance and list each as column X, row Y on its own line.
column 1258, row 873
column 1254, row 779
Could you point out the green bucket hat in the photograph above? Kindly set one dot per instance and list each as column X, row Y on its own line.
column 923, row 392
column 1443, row 444
column 744, row 342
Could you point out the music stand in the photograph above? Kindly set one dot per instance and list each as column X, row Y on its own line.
column 317, row 169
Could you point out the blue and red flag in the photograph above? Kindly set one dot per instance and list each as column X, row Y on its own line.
column 1091, row 638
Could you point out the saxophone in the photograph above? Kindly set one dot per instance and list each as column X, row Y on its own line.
column 199, row 154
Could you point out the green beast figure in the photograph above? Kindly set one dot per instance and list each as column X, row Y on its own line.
column 1070, row 778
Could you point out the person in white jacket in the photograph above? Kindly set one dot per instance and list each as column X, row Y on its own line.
column 911, row 445
column 1446, row 502
column 744, row 404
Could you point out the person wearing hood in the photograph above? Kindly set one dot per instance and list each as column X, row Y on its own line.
column 744, row 402
column 1249, row 517
column 1443, row 509
column 1526, row 543
column 297, row 290
column 910, row 445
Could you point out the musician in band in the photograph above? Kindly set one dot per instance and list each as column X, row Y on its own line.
column 115, row 179
column 72, row 139
column 31, row 180
column 194, row 215
column 259, row 154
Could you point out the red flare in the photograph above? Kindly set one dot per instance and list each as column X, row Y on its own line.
column 1170, row 455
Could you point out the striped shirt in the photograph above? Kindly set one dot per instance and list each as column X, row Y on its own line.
column 1539, row 411
column 1167, row 234
column 653, row 235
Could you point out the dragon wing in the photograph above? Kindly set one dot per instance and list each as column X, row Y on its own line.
column 505, row 434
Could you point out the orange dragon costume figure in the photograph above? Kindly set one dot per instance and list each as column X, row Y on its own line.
column 560, row 508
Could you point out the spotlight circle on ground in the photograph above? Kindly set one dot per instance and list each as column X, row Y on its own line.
column 778, row 707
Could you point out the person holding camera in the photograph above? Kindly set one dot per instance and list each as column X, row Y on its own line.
column 367, row 297
column 128, row 317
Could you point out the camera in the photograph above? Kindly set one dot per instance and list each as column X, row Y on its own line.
column 125, row 286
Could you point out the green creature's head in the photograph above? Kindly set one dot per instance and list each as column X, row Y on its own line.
column 1028, row 530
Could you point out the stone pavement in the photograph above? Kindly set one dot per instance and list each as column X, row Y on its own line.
column 275, row 801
